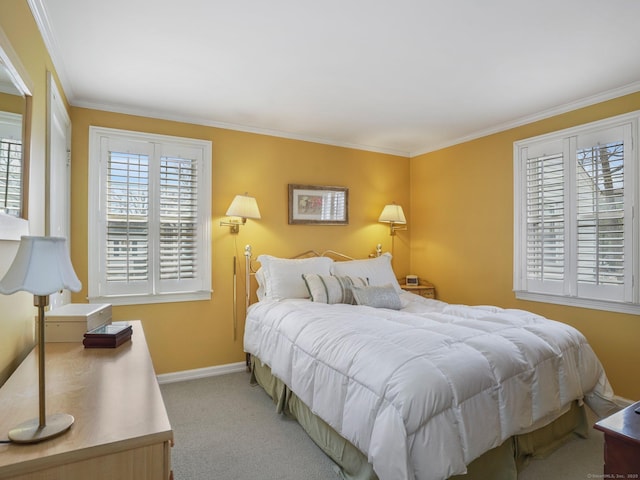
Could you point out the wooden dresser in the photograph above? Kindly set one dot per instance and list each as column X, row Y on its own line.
column 621, row 443
column 121, row 429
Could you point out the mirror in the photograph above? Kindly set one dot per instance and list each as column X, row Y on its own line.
column 12, row 105
column 15, row 129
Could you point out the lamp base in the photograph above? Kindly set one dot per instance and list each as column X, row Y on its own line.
column 31, row 432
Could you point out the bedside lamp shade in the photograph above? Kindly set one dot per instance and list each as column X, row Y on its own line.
column 394, row 215
column 242, row 207
column 42, row 266
column 245, row 207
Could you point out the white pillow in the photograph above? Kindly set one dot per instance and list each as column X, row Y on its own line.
column 377, row 296
column 377, row 270
column 261, row 281
column 282, row 277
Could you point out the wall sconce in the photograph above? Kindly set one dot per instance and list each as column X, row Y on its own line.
column 241, row 208
column 393, row 215
column 42, row 266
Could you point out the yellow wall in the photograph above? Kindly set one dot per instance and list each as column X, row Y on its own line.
column 17, row 310
column 11, row 103
column 462, row 235
column 189, row 335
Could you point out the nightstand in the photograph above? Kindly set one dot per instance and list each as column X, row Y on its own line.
column 621, row 442
column 425, row 289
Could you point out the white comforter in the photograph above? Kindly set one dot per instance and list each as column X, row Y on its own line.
column 425, row 390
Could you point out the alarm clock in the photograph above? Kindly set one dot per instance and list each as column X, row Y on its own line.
column 411, row 280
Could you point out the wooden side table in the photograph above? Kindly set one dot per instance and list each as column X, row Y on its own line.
column 425, row 289
column 621, row 442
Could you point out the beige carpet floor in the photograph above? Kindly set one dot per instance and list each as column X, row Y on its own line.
column 226, row 429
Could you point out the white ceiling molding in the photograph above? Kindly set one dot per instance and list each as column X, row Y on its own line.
column 40, row 16
column 552, row 112
column 227, row 126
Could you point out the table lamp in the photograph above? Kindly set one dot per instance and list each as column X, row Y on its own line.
column 42, row 266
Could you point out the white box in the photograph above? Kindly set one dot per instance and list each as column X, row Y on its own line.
column 70, row 322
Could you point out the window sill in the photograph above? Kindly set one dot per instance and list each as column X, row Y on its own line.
column 147, row 299
column 631, row 308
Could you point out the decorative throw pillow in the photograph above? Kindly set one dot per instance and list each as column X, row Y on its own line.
column 384, row 296
column 281, row 278
column 377, row 270
column 332, row 289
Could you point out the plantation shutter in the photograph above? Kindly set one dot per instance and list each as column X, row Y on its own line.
column 127, row 217
column 11, row 176
column 602, row 213
column 545, row 217
column 545, row 220
column 179, row 236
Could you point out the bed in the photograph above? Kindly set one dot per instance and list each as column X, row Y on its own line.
column 395, row 386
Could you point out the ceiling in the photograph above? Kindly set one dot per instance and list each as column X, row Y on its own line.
column 403, row 76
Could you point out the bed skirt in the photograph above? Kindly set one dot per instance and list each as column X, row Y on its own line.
column 500, row 463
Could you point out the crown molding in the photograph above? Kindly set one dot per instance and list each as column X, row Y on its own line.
column 42, row 21
column 542, row 115
column 231, row 126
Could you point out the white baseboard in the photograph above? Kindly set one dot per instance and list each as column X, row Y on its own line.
column 201, row 373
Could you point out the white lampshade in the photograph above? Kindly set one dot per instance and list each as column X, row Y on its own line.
column 244, row 206
column 42, row 266
column 392, row 214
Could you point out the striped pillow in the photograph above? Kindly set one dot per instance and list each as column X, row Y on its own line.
column 330, row 288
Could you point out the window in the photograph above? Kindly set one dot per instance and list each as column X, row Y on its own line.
column 11, row 164
column 150, row 205
column 575, row 231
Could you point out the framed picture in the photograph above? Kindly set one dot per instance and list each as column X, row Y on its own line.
column 311, row 204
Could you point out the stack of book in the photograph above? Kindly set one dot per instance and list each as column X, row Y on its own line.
column 108, row 336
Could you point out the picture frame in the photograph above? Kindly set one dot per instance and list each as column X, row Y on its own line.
column 318, row 205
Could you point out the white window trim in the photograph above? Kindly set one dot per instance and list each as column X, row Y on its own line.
column 632, row 169
column 95, row 219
